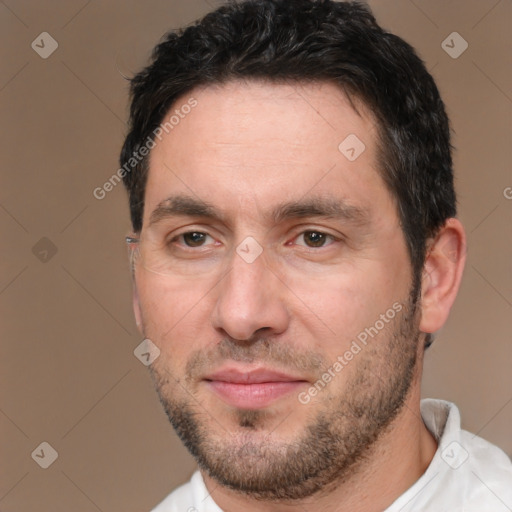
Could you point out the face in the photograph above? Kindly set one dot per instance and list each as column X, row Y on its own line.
column 275, row 280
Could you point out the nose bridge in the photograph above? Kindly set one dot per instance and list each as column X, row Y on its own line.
column 245, row 283
column 249, row 298
column 247, row 277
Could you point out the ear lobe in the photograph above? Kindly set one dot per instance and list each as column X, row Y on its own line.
column 442, row 273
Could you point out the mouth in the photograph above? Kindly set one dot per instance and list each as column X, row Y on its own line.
column 254, row 388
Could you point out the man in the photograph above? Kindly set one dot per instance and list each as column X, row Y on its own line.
column 295, row 247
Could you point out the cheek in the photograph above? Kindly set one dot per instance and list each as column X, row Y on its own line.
column 173, row 312
column 341, row 305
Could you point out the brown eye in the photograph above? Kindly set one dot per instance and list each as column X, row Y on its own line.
column 194, row 238
column 315, row 238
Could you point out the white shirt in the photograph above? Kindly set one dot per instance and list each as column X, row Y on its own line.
column 467, row 474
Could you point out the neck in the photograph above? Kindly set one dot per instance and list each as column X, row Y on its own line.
column 397, row 460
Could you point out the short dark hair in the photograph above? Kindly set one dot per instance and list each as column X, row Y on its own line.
column 304, row 41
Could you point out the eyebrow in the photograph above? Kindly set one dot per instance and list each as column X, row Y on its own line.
column 185, row 206
column 330, row 208
column 188, row 206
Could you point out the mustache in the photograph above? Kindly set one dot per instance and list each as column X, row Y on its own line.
column 272, row 353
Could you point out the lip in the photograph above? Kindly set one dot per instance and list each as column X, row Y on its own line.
column 254, row 388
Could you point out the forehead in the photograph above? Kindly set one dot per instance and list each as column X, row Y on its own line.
column 259, row 143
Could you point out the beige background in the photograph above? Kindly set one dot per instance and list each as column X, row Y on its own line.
column 68, row 373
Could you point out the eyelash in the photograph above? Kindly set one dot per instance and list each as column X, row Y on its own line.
column 305, row 247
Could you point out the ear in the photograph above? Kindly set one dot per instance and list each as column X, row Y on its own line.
column 442, row 273
column 136, row 307
column 132, row 252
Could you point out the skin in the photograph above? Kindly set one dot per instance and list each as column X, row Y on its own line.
column 245, row 149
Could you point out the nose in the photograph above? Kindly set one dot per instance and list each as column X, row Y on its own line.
column 250, row 298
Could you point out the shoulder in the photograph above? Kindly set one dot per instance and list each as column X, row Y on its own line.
column 179, row 500
column 190, row 497
column 467, row 455
column 467, row 473
column 488, row 468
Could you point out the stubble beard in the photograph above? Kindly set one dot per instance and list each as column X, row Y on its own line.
column 329, row 449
